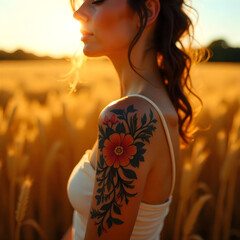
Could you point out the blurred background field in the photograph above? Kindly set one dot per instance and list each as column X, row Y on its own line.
column 44, row 131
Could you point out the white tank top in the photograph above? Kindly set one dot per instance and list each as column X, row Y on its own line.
column 150, row 218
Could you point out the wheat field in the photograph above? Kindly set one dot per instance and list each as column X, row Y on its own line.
column 44, row 131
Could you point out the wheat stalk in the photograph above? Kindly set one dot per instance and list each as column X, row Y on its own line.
column 36, row 226
column 227, row 178
column 22, row 205
column 14, row 155
column 235, row 155
column 48, row 163
column 11, row 172
column 10, row 120
column 51, row 157
column 229, row 205
column 188, row 186
column 198, row 158
column 183, row 196
column 4, row 123
column 192, row 217
column 222, row 144
column 219, row 210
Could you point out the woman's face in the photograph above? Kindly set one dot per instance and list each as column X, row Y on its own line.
column 112, row 25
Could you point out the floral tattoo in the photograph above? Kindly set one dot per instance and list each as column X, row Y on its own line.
column 121, row 144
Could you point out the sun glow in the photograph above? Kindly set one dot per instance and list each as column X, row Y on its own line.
column 47, row 28
column 80, row 29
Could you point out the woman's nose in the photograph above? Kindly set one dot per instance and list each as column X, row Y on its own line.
column 80, row 16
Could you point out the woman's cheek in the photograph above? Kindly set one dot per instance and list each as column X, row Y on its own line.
column 105, row 24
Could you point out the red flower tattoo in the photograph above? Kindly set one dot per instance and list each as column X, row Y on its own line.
column 112, row 120
column 119, row 149
column 106, row 120
column 122, row 138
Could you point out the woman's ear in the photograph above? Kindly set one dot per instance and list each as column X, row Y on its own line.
column 153, row 9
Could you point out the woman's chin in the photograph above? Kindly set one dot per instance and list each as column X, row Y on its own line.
column 91, row 52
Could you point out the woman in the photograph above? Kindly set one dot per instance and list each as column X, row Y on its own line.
column 122, row 188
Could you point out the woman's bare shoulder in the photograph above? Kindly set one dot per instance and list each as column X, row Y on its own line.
column 129, row 103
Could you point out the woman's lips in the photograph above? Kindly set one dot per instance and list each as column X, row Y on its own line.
column 84, row 32
column 85, row 35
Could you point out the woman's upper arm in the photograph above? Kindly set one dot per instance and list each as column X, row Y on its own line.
column 124, row 137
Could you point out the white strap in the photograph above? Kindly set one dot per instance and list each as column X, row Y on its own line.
column 167, row 135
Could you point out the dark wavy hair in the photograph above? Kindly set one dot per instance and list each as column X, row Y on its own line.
column 174, row 60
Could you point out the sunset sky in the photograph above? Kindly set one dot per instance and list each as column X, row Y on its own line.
column 47, row 27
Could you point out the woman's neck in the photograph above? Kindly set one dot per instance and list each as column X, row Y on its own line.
column 145, row 64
